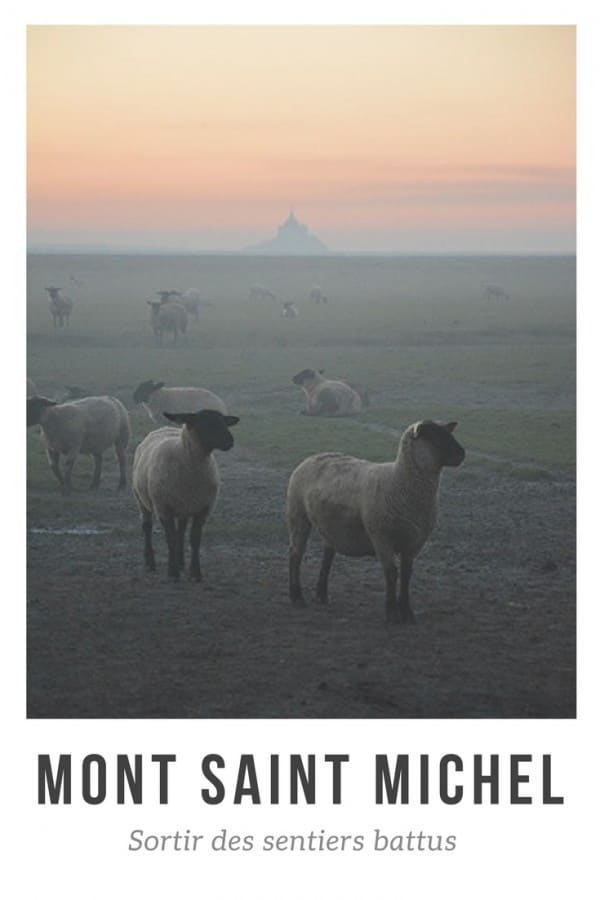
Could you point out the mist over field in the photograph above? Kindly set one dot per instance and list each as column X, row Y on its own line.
column 494, row 589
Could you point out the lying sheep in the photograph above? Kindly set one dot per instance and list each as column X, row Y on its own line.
column 325, row 397
column 363, row 508
column 159, row 400
column 167, row 318
column 87, row 426
column 176, row 478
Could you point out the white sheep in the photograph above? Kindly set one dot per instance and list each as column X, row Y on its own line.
column 364, row 508
column 158, row 400
column 191, row 300
column 88, row 426
column 495, row 292
column 260, row 292
column 167, row 317
column 289, row 310
column 60, row 306
column 325, row 397
column 176, row 478
column 317, row 296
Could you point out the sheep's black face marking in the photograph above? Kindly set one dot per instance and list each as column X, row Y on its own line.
column 35, row 405
column 304, row 375
column 145, row 389
column 211, row 427
column 449, row 451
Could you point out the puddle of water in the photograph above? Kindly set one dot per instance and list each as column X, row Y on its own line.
column 75, row 529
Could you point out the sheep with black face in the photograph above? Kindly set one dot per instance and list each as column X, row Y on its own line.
column 363, row 508
column 176, row 478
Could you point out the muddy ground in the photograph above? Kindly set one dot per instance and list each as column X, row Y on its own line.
column 493, row 596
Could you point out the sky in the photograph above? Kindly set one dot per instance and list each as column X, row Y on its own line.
column 382, row 138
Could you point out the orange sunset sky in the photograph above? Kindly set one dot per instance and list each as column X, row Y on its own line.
column 392, row 138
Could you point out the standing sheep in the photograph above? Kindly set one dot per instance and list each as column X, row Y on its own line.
column 175, row 478
column 363, row 508
column 89, row 426
column 159, row 400
column 60, row 306
column 167, row 317
column 317, row 296
column 289, row 310
column 325, row 397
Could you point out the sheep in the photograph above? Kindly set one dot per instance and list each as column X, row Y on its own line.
column 362, row 508
column 495, row 292
column 259, row 292
column 167, row 317
column 191, row 301
column 175, row 478
column 325, row 397
column 87, row 426
column 159, row 400
column 60, row 306
column 289, row 310
column 31, row 388
column 317, row 296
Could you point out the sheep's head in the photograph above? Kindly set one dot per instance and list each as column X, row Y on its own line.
column 306, row 375
column 35, row 407
column 435, row 439
column 145, row 389
column 209, row 426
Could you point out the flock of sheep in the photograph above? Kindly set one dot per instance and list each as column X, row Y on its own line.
column 360, row 508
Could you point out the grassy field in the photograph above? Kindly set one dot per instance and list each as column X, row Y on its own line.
column 420, row 335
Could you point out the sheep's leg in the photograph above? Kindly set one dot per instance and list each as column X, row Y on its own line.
column 122, row 460
column 328, row 554
column 54, row 460
column 390, row 572
column 182, row 524
column 195, row 537
column 168, row 523
column 69, row 463
column 298, row 539
column 149, row 560
column 406, row 613
column 95, row 483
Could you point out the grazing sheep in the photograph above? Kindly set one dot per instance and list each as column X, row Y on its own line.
column 167, row 317
column 259, row 292
column 31, row 388
column 363, row 508
column 317, row 296
column 325, row 397
column 159, row 400
column 60, row 306
column 89, row 426
column 176, row 478
column 289, row 310
column 495, row 292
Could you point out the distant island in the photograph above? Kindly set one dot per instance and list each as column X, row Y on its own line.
column 292, row 238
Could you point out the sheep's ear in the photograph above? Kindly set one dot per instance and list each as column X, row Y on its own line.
column 231, row 420
column 450, row 426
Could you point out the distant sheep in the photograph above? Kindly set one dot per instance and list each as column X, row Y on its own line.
column 325, row 397
column 363, row 508
column 317, row 296
column 176, row 478
column 289, row 311
column 167, row 318
column 260, row 292
column 88, row 426
column 60, row 306
column 158, row 400
column 191, row 301
column 495, row 292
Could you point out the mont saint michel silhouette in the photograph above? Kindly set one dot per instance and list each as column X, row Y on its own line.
column 292, row 238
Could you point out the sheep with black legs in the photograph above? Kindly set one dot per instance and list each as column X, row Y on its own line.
column 167, row 318
column 159, row 400
column 176, row 478
column 327, row 397
column 363, row 508
column 88, row 426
